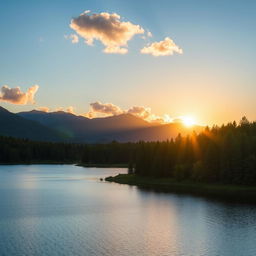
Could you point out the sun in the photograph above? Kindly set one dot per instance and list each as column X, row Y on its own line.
column 188, row 121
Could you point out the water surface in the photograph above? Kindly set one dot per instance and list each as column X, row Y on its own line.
column 67, row 210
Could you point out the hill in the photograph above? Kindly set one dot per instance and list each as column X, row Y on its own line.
column 82, row 129
column 62, row 126
column 17, row 126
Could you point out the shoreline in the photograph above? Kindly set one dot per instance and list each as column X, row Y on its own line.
column 70, row 163
column 103, row 165
column 39, row 162
column 232, row 193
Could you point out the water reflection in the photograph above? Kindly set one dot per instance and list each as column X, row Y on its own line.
column 66, row 210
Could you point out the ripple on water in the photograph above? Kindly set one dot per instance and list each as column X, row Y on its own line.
column 65, row 210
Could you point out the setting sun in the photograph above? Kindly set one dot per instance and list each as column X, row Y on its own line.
column 188, row 121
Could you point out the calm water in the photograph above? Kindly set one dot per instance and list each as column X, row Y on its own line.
column 66, row 210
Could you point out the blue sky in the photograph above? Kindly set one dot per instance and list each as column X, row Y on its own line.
column 213, row 80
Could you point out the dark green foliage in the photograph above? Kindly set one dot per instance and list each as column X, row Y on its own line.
column 224, row 154
column 13, row 150
column 130, row 168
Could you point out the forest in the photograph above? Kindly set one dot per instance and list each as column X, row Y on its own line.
column 225, row 154
column 24, row 151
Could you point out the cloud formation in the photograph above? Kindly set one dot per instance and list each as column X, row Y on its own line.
column 107, row 28
column 146, row 114
column 140, row 111
column 162, row 48
column 16, row 96
column 177, row 120
column 149, row 34
column 90, row 114
column 164, row 119
column 58, row 109
column 44, row 109
column 108, row 109
column 73, row 37
column 98, row 109
column 70, row 110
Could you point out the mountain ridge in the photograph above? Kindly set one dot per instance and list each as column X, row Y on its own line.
column 68, row 127
column 17, row 126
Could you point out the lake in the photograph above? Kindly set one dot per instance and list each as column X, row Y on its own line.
column 67, row 210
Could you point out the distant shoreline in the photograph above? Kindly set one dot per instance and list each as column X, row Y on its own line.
column 234, row 193
column 38, row 162
column 71, row 163
column 104, row 165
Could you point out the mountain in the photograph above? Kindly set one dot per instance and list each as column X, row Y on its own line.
column 17, row 126
column 66, row 127
column 82, row 129
column 155, row 133
column 119, row 123
column 123, row 128
column 66, row 123
column 60, row 118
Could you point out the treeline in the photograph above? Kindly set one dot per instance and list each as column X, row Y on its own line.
column 225, row 154
column 13, row 150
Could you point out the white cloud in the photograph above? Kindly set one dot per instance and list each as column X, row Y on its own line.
column 59, row 109
column 73, row 37
column 90, row 114
column 115, row 49
column 98, row 109
column 44, row 109
column 16, row 96
column 162, row 48
column 70, row 110
column 108, row 28
column 105, row 108
column 164, row 119
column 140, row 111
column 149, row 34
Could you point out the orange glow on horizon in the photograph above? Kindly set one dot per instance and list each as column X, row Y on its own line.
column 188, row 121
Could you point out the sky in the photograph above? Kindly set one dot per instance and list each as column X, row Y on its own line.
column 173, row 58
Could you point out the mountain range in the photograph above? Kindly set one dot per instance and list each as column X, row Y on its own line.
column 16, row 126
column 66, row 127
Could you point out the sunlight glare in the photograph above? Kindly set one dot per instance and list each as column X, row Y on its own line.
column 188, row 121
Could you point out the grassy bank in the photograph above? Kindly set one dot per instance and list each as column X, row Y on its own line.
column 227, row 192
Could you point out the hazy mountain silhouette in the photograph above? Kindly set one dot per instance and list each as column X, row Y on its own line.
column 69, row 124
column 64, row 126
column 79, row 128
column 17, row 126
column 61, row 118
column 155, row 133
